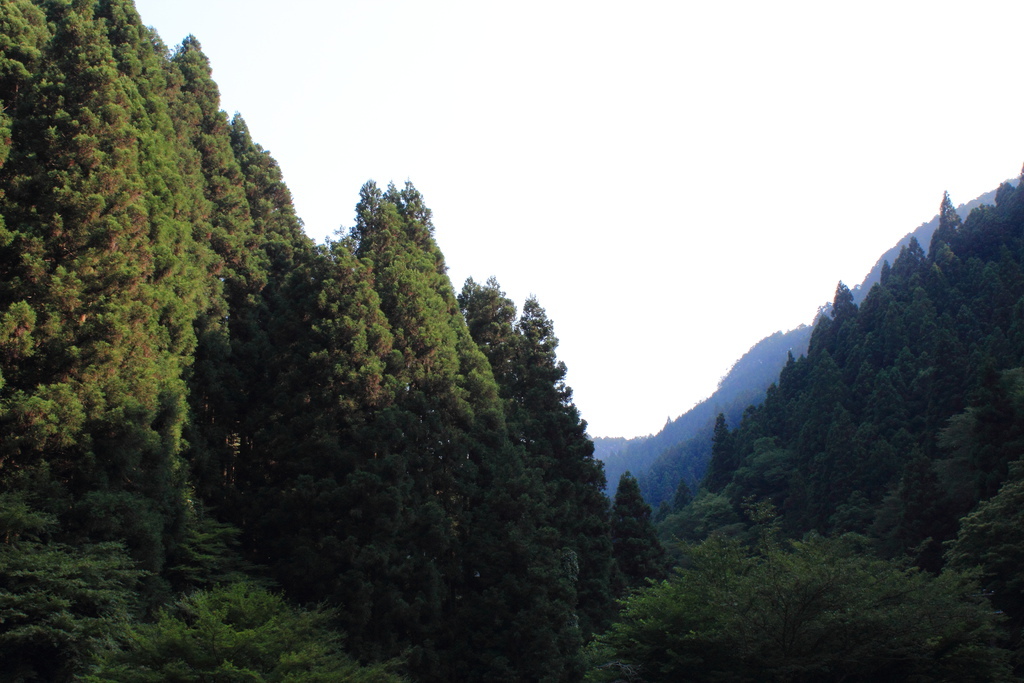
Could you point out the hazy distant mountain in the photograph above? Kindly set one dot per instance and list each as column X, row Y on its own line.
column 743, row 385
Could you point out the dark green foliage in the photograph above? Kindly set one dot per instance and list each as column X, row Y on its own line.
column 869, row 432
column 184, row 375
column 682, row 497
column 902, row 417
column 97, row 314
column 570, row 557
column 723, row 456
column 543, row 417
column 58, row 602
column 208, row 555
column 946, row 233
column 707, row 513
column 816, row 610
column 635, row 546
column 193, row 393
column 992, row 539
column 237, row 632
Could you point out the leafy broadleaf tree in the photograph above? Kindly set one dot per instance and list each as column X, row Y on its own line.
column 815, row 610
column 238, row 632
column 991, row 539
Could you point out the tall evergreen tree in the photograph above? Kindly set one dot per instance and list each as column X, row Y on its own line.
column 635, row 545
column 723, row 457
column 94, row 394
column 444, row 430
column 543, row 421
column 949, row 225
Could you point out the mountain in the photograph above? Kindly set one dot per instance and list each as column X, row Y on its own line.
column 888, row 459
column 681, row 450
column 903, row 423
column 743, row 385
column 923, row 234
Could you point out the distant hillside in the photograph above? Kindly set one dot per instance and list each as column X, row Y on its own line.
column 606, row 446
column 743, row 385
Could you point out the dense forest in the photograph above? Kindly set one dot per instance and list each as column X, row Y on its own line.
column 228, row 453
column 892, row 447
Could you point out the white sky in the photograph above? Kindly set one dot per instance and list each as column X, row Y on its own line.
column 673, row 180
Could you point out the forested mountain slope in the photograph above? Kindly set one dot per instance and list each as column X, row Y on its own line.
column 886, row 462
column 892, row 391
column 923, row 234
column 903, row 422
column 197, row 402
column 229, row 453
column 680, row 451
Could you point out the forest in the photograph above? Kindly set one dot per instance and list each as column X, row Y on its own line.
column 228, row 453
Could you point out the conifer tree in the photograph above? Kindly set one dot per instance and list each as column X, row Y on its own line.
column 547, row 624
column 682, row 497
column 543, row 421
column 57, row 600
column 93, row 393
column 221, row 220
column 443, row 432
column 545, row 417
column 949, row 226
column 635, row 545
column 723, row 459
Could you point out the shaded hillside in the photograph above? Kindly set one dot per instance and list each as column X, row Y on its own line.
column 899, row 435
column 680, row 452
column 743, row 384
column 906, row 412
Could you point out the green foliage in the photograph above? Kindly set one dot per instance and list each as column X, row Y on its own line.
column 635, row 546
column 991, row 539
column 723, row 456
column 817, row 610
column 708, row 513
column 58, row 602
column 905, row 412
column 96, row 305
column 187, row 381
column 546, row 426
column 208, row 555
column 681, row 451
column 238, row 632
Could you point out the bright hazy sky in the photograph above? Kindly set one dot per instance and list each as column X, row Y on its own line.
column 673, row 180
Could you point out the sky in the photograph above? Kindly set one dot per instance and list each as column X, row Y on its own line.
column 673, row 181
